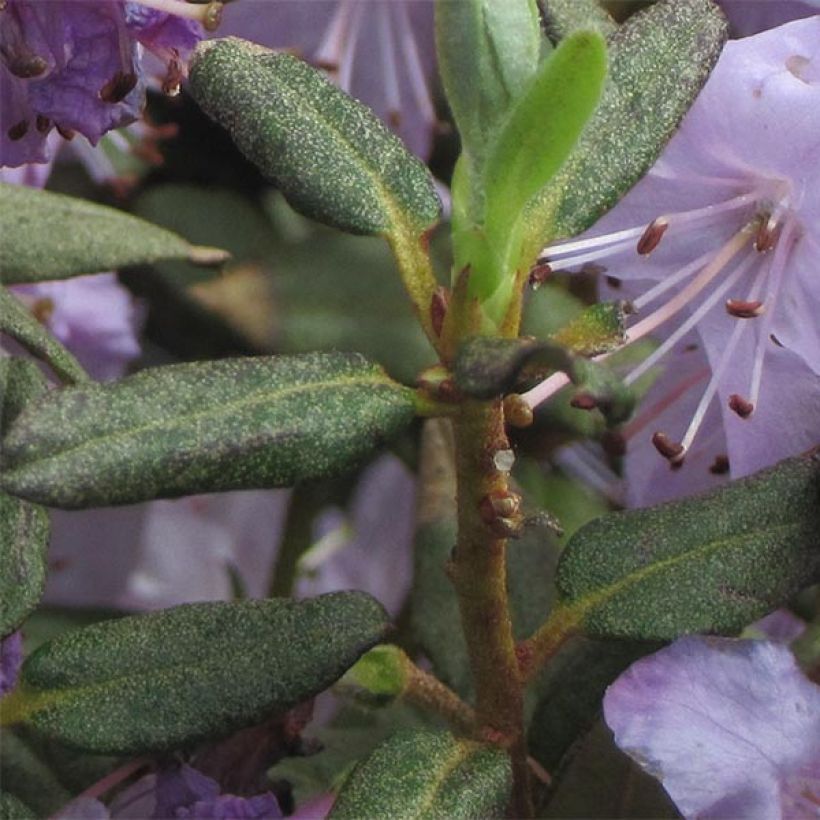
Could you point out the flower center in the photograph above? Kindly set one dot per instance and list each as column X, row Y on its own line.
column 746, row 272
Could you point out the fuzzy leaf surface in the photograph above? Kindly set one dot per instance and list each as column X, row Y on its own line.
column 330, row 155
column 562, row 17
column 203, row 427
column 659, row 60
column 52, row 236
column 712, row 563
column 423, row 774
column 166, row 679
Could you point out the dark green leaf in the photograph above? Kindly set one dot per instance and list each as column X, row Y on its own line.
column 20, row 325
column 565, row 16
column 51, row 236
column 166, row 679
column 602, row 783
column 427, row 775
column 658, row 61
column 599, row 329
column 13, row 809
column 24, row 527
column 570, row 692
column 330, row 155
column 712, row 563
column 487, row 54
column 204, row 427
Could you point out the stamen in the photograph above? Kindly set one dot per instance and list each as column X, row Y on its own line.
column 539, row 274
column 744, row 309
column 670, row 281
column 741, row 406
column 652, row 236
column 18, row 130
column 670, row 450
column 329, row 53
column 391, row 76
column 118, row 87
column 720, row 466
column 349, row 48
column 418, row 82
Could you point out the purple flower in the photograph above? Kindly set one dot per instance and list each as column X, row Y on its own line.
column 731, row 728
column 230, row 807
column 379, row 51
column 753, row 16
column 11, row 657
column 74, row 65
column 726, row 229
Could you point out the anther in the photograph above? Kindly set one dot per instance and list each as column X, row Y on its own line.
column 670, row 450
column 517, row 413
column 613, row 282
column 43, row 124
column 652, row 236
column 27, row 66
column 66, row 133
column 118, row 87
column 541, row 271
column 583, row 401
column 767, row 235
column 213, row 16
column 741, row 406
column 18, row 130
column 720, row 466
column 744, row 310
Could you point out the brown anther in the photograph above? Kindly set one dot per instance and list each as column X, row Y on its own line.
column 447, row 391
column 767, row 235
column 27, row 66
column 613, row 282
column 42, row 309
column 213, row 16
column 438, row 308
column 66, row 133
column 583, row 401
column 672, row 451
column 742, row 309
column 743, row 407
column 652, row 236
column 720, row 466
column 43, row 124
column 394, row 118
column 539, row 273
column 18, row 130
column 517, row 412
column 118, row 87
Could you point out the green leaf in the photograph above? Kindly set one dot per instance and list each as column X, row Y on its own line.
column 24, row 527
column 203, row 427
column 712, row 563
column 20, row 325
column 330, row 155
column 378, row 677
column 658, row 61
column 51, row 236
column 427, row 775
column 562, row 17
column 535, row 141
column 488, row 53
column 602, row 783
column 571, row 689
column 599, row 329
column 167, row 679
column 13, row 809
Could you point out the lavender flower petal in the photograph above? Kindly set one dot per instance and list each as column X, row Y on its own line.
column 11, row 658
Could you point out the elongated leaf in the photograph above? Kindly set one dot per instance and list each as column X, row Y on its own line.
column 13, row 809
column 713, row 563
column 331, row 156
column 169, row 678
column 51, row 236
column 487, row 54
column 565, row 16
column 20, row 325
column 204, row 427
column 419, row 774
column 24, row 527
column 658, row 61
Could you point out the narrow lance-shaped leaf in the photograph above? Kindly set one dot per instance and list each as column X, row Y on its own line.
column 24, row 527
column 23, row 327
column 170, row 678
column 204, row 427
column 52, row 236
column 712, row 563
column 658, row 61
column 562, row 17
column 330, row 155
column 420, row 774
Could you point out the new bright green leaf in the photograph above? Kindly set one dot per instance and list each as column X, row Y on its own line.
column 167, row 679
column 421, row 774
column 712, row 563
column 51, row 236
column 334, row 160
column 203, row 427
column 20, row 325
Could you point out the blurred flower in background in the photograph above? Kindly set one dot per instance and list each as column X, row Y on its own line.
column 379, row 51
column 753, row 16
